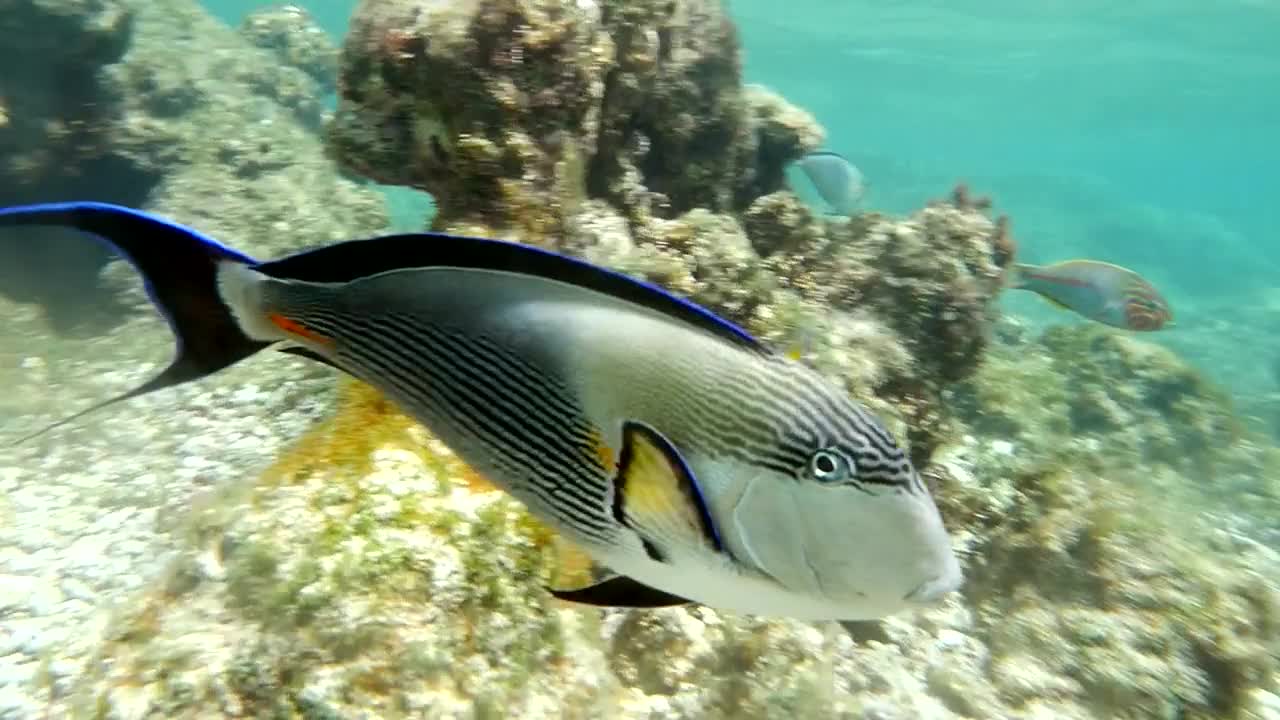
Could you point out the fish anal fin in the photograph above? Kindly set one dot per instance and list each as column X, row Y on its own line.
column 621, row 592
column 656, row 494
column 573, row 566
column 866, row 631
column 309, row 354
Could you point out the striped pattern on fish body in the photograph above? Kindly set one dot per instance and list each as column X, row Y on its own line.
column 530, row 383
column 679, row 452
column 1099, row 291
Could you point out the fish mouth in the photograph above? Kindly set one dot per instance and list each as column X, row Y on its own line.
column 933, row 590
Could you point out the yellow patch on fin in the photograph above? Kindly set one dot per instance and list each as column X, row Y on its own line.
column 293, row 327
column 656, row 493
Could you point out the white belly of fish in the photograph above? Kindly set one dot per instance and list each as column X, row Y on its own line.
column 723, row 587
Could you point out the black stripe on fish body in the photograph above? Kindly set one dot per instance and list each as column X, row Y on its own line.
column 434, row 393
column 560, row 444
column 356, row 259
column 544, row 444
column 723, row 414
column 452, row 416
column 780, row 417
column 496, row 402
column 654, row 487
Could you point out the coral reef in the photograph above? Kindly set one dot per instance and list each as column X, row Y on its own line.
column 415, row 586
column 159, row 106
column 509, row 112
column 622, row 132
column 293, row 36
column 1108, row 529
column 898, row 308
column 367, row 569
column 1096, row 597
column 1135, row 402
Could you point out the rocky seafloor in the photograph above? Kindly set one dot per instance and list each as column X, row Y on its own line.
column 276, row 543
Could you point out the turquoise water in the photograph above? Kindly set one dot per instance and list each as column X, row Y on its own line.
column 1144, row 133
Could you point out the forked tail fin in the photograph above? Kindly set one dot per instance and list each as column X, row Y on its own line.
column 180, row 269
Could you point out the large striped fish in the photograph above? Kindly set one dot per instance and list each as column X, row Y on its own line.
column 680, row 453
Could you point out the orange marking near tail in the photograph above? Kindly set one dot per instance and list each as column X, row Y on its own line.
column 293, row 327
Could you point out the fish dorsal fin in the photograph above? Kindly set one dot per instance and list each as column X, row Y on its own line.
column 355, row 259
column 656, row 495
column 1095, row 263
column 825, row 154
column 619, row 591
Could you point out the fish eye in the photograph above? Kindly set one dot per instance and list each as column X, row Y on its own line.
column 828, row 465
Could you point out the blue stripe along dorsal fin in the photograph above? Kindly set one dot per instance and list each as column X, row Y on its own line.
column 354, row 259
column 111, row 224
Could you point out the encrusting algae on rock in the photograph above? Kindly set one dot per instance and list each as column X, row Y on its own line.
column 417, row 586
column 1106, row 572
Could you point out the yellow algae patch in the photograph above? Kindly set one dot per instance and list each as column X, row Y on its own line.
column 571, row 567
column 364, row 424
column 364, row 421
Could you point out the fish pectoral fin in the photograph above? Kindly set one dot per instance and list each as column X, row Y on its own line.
column 1057, row 303
column 619, row 591
column 656, row 494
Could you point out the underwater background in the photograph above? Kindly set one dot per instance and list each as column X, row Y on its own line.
column 1141, row 134
column 278, row 543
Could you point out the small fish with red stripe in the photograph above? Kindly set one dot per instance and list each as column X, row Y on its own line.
column 1099, row 291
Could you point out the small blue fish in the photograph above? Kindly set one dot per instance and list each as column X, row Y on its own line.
column 836, row 179
column 677, row 451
